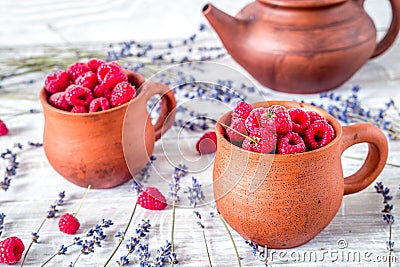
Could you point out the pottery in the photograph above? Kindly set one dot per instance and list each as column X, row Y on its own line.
column 302, row 46
column 91, row 148
column 283, row 201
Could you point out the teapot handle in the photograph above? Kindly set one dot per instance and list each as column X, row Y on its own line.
column 393, row 30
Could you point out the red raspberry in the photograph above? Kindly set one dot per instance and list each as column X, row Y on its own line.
column 57, row 82
column 68, row 224
column 95, row 63
column 3, row 128
column 277, row 119
column 78, row 95
column 237, row 125
column 79, row 109
column 300, row 120
column 99, row 104
column 242, row 110
column 102, row 91
column 58, row 100
column 319, row 134
column 77, row 69
column 152, row 199
column 253, row 121
column 314, row 116
column 11, row 250
column 291, row 143
column 123, row 92
column 88, row 80
column 207, row 144
column 261, row 141
column 111, row 74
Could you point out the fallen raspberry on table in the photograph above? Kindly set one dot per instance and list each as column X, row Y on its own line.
column 314, row 116
column 79, row 109
column 11, row 250
column 68, row 224
column 253, row 121
column 99, row 104
column 277, row 119
column 57, row 82
column 242, row 110
column 88, row 80
column 291, row 143
column 58, row 100
column 207, row 144
column 78, row 95
column 95, row 63
column 151, row 198
column 319, row 134
column 300, row 120
column 122, row 93
column 77, row 69
column 237, row 131
column 3, row 128
column 261, row 141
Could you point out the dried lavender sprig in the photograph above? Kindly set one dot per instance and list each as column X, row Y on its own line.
column 51, row 213
column 144, row 174
column 140, row 232
column 164, row 255
column 2, row 216
column 93, row 236
column 259, row 253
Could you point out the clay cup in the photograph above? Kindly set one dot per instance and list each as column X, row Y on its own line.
column 283, row 201
column 106, row 148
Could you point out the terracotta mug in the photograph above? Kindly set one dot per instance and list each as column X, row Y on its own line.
column 283, row 201
column 106, row 148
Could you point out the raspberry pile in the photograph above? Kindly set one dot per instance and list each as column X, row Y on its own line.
column 278, row 129
column 89, row 87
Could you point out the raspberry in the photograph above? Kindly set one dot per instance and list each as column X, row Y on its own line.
column 99, row 104
column 237, row 125
column 152, row 199
column 314, row 116
column 207, row 144
column 102, row 91
column 11, row 250
column 111, row 74
column 77, row 69
column 261, row 141
column 253, row 121
column 319, row 134
column 78, row 95
column 3, row 128
column 58, row 100
column 277, row 119
column 57, row 82
column 291, row 143
column 95, row 63
column 88, row 80
column 68, row 224
column 123, row 92
column 79, row 109
column 242, row 110
column 300, row 120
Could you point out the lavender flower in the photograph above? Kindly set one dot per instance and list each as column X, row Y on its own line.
column 164, row 255
column 195, row 193
column 2, row 216
column 144, row 174
column 258, row 252
column 174, row 185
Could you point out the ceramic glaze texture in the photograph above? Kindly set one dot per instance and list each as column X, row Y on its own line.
column 283, row 201
column 88, row 148
column 302, row 46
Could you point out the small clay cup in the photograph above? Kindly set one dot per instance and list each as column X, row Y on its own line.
column 283, row 201
column 106, row 148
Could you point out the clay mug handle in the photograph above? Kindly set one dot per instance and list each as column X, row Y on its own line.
column 376, row 158
column 393, row 30
column 168, row 105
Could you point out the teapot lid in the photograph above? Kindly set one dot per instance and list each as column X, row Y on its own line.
column 302, row 3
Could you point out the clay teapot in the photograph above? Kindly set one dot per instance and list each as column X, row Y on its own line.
column 302, row 46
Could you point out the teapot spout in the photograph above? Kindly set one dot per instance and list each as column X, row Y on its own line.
column 225, row 25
